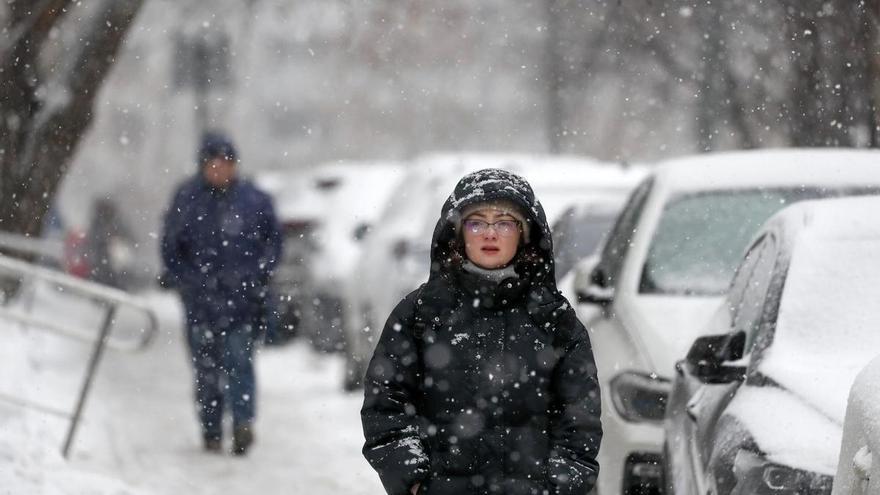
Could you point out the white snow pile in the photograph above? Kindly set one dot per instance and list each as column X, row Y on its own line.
column 30, row 442
column 139, row 433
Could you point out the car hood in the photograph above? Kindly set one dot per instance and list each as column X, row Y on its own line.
column 665, row 327
column 791, row 431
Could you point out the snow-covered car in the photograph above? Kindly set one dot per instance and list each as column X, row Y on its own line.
column 397, row 253
column 664, row 268
column 298, row 207
column 325, row 211
column 758, row 405
column 351, row 209
column 857, row 473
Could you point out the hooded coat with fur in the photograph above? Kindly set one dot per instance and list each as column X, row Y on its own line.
column 478, row 387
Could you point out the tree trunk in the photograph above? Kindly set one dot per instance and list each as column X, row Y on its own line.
column 553, row 74
column 709, row 116
column 831, row 101
column 39, row 135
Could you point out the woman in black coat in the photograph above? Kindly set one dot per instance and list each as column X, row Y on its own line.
column 483, row 380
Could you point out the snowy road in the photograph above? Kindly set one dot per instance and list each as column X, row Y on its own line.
column 140, row 434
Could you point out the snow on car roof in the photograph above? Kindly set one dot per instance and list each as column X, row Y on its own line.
column 293, row 197
column 828, row 326
column 561, row 182
column 297, row 194
column 538, row 169
column 557, row 180
column 358, row 199
column 769, row 168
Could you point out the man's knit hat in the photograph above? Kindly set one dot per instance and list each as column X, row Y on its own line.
column 216, row 145
column 502, row 205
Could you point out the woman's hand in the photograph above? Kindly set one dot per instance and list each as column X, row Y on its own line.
column 415, row 488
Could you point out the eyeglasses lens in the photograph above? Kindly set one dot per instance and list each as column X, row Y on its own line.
column 503, row 227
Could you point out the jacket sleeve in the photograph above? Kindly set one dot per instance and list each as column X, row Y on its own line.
column 392, row 425
column 174, row 256
column 576, row 429
column 272, row 235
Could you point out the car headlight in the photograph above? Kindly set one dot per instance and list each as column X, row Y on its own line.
column 639, row 397
column 758, row 476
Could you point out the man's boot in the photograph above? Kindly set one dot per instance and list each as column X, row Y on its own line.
column 212, row 444
column 242, row 438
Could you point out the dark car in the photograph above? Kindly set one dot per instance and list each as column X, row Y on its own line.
column 757, row 406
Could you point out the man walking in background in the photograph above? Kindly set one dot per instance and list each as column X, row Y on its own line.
column 220, row 243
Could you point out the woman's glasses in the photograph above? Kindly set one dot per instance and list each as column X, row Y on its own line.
column 504, row 228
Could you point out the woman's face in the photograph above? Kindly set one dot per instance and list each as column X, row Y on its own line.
column 492, row 246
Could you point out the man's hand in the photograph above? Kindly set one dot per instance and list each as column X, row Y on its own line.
column 415, row 488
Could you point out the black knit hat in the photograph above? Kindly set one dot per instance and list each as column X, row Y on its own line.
column 216, row 145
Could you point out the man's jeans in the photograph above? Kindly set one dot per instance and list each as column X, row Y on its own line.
column 224, row 372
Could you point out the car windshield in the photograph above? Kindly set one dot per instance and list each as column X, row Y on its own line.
column 701, row 237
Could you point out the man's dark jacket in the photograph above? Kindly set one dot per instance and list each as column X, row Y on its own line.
column 477, row 387
column 220, row 246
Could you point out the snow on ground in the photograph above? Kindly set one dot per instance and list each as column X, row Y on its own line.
column 139, row 433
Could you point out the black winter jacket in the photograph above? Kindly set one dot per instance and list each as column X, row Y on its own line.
column 477, row 387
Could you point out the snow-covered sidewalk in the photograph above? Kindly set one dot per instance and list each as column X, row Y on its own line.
column 139, row 433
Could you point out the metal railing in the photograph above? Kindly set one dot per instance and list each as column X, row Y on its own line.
column 52, row 249
column 110, row 298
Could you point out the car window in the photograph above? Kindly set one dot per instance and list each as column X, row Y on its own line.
column 700, row 237
column 620, row 239
column 749, row 313
column 741, row 279
column 577, row 237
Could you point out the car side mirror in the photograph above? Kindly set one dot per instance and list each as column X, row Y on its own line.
column 710, row 356
column 590, row 283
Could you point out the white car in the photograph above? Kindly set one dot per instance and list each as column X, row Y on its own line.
column 663, row 270
column 397, row 253
column 757, row 407
column 350, row 209
column 298, row 206
column 323, row 211
column 857, row 472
